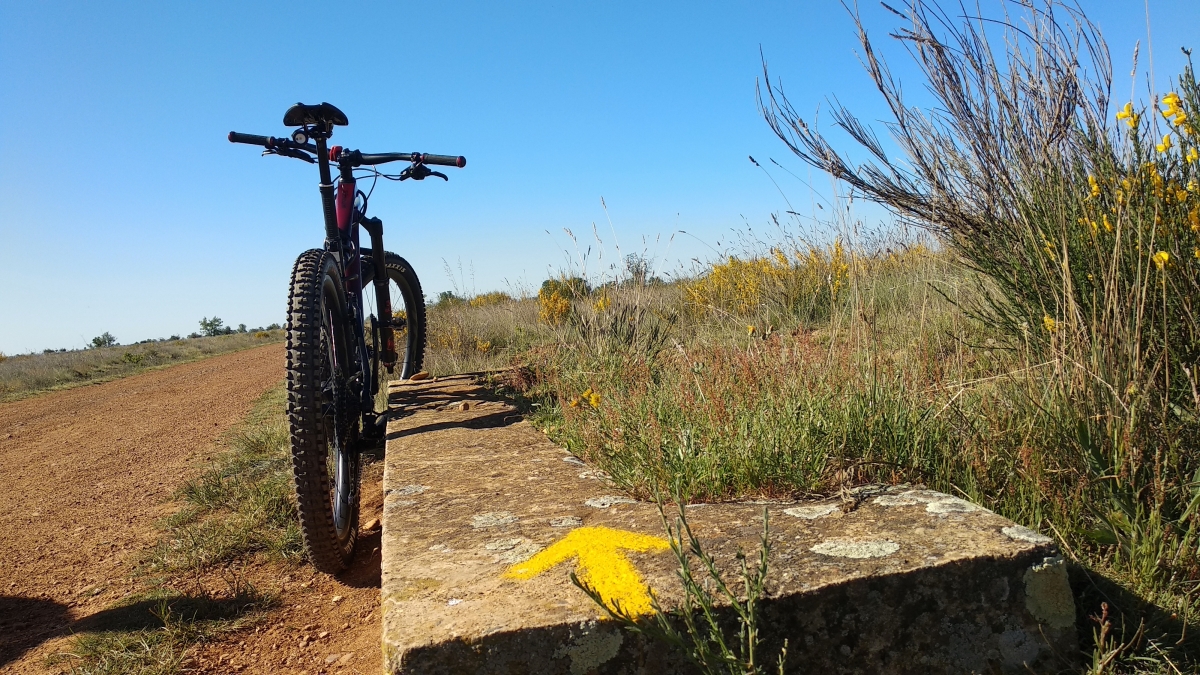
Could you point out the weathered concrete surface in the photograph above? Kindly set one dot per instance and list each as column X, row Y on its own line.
column 480, row 507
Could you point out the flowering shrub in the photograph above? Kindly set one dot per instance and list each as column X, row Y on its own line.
column 808, row 281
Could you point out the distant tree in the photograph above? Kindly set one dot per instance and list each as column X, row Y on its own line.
column 214, row 326
column 193, row 335
column 448, row 298
column 241, row 328
column 273, row 326
column 105, row 340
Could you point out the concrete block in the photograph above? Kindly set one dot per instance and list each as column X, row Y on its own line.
column 484, row 519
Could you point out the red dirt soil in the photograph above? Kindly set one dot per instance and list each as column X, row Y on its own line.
column 87, row 474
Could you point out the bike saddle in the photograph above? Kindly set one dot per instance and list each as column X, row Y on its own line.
column 325, row 114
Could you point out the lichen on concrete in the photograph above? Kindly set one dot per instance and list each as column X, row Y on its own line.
column 607, row 501
column 597, row 645
column 811, row 512
column 1048, row 593
column 1021, row 533
column 848, row 548
column 492, row 519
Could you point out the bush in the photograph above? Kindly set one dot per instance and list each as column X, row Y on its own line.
column 493, row 298
column 1086, row 225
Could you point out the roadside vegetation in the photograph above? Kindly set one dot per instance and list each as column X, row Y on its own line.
column 239, row 512
column 24, row 375
column 1026, row 338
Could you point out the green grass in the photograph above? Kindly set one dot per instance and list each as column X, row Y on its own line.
column 26, row 375
column 239, row 510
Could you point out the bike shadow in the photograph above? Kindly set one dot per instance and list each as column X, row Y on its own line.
column 488, row 420
column 26, row 623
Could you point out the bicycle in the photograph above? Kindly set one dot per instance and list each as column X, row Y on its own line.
column 340, row 340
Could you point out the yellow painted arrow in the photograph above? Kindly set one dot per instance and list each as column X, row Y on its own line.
column 601, row 564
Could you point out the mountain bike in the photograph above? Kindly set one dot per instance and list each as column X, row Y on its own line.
column 341, row 340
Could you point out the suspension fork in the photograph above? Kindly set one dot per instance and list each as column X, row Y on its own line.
column 328, row 205
column 383, row 300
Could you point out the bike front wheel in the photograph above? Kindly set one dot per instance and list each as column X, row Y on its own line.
column 408, row 311
column 322, row 412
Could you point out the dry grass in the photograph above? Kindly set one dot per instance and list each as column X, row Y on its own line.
column 28, row 374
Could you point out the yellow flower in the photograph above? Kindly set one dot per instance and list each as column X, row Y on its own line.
column 750, row 330
column 1165, row 145
column 1094, row 185
column 1192, row 156
column 1050, row 324
column 602, row 303
column 1161, row 259
column 1196, row 253
column 1194, row 219
column 1130, row 117
column 1107, row 225
column 592, row 398
column 575, row 402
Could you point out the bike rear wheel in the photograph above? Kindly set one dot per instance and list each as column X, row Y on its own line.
column 408, row 311
column 322, row 414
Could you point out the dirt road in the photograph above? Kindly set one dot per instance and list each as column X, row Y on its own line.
column 86, row 473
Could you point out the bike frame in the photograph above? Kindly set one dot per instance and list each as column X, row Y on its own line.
column 342, row 222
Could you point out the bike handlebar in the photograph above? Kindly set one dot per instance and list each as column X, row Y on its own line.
column 357, row 158
column 249, row 139
column 364, row 159
column 444, row 160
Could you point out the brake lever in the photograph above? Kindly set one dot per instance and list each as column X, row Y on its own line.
column 420, row 172
column 298, row 154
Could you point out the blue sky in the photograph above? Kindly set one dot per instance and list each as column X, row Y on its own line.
column 123, row 208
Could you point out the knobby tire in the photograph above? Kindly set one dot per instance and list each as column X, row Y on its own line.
column 321, row 421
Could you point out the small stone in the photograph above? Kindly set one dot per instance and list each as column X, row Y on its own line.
column 574, row 460
column 464, row 406
column 608, row 500
column 419, row 376
column 371, row 525
column 453, row 601
column 336, row 598
column 322, row 635
column 346, row 657
column 331, row 658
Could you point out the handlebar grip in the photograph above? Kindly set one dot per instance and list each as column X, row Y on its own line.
column 249, row 139
column 444, row 160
